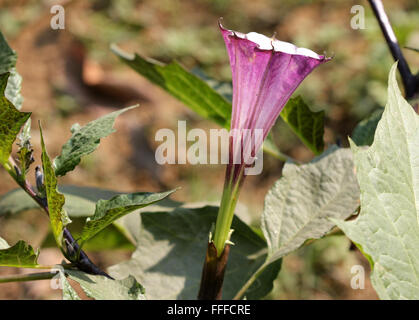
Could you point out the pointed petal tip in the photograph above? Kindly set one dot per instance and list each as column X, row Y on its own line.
column 220, row 23
column 222, row 28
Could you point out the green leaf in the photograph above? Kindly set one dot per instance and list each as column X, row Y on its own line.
column 225, row 89
column 363, row 134
column 25, row 151
column 171, row 250
column 11, row 120
column 183, row 85
column 102, row 288
column 107, row 211
column 8, row 59
column 57, row 216
column 306, row 124
column 13, row 88
column 270, row 147
column 388, row 173
column 80, row 201
column 110, row 238
column 21, row 255
column 8, row 56
column 300, row 204
column 85, row 140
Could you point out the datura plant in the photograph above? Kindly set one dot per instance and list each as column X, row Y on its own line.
column 190, row 250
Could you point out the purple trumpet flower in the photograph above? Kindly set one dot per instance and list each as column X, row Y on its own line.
column 265, row 73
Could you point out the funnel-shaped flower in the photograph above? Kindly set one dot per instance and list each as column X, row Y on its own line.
column 265, row 73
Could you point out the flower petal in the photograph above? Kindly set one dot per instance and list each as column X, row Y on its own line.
column 265, row 74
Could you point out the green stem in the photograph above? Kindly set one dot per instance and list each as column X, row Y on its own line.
column 28, row 277
column 226, row 212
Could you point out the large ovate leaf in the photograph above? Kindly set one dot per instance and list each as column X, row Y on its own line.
column 8, row 59
column 183, row 85
column 11, row 121
column 306, row 124
column 85, row 140
column 387, row 228
column 301, row 203
column 107, row 211
column 171, row 250
column 21, row 255
column 102, row 288
column 55, row 200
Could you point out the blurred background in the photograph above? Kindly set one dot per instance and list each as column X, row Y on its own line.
column 71, row 76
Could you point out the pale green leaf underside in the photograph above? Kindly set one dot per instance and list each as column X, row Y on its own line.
column 300, row 204
column 171, row 250
column 85, row 140
column 107, row 211
column 21, row 255
column 102, row 288
column 388, row 174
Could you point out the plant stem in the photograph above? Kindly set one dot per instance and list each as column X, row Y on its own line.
column 218, row 248
column 226, row 211
column 28, row 277
column 212, row 278
column 410, row 82
column 82, row 262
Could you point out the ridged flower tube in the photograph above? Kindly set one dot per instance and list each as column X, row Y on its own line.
column 265, row 73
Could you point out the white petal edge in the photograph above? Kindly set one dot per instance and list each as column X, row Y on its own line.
column 265, row 43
